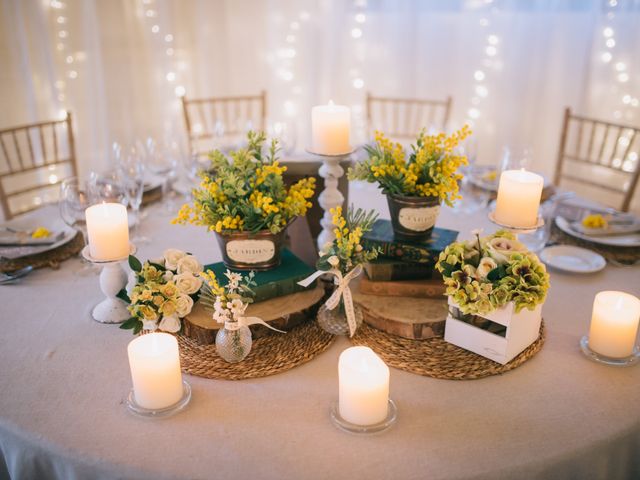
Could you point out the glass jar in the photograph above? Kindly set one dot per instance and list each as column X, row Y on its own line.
column 335, row 321
column 233, row 343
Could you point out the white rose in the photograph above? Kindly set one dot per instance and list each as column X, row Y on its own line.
column 486, row 265
column 171, row 257
column 184, row 304
column 170, row 323
column 167, row 276
column 150, row 325
column 187, row 283
column 333, row 261
column 189, row 264
column 501, row 249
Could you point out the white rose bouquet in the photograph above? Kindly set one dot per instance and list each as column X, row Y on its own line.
column 162, row 292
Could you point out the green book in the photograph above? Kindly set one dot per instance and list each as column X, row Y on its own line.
column 427, row 251
column 277, row 282
column 388, row 270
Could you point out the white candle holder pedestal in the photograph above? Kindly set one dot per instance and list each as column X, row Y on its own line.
column 330, row 197
column 140, row 411
column 632, row 359
column 346, row 426
column 113, row 278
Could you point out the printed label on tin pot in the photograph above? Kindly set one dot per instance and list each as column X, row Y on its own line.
column 418, row 219
column 251, row 251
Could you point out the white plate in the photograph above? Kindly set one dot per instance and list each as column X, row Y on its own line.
column 631, row 240
column 476, row 179
column 48, row 217
column 572, row 259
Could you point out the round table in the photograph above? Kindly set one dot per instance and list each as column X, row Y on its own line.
column 64, row 379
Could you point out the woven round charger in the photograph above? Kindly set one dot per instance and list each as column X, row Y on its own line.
column 436, row 358
column 50, row 258
column 274, row 353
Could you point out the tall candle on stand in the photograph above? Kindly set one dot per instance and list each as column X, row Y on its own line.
column 155, row 370
column 518, row 199
column 330, row 127
column 614, row 324
column 108, row 231
column 363, row 387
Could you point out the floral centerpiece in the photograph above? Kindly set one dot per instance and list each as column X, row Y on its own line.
column 343, row 258
column 228, row 304
column 416, row 184
column 244, row 200
column 161, row 292
column 493, row 282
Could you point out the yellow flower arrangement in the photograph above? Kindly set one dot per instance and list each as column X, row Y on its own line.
column 429, row 171
column 246, row 192
column 595, row 221
column 41, row 232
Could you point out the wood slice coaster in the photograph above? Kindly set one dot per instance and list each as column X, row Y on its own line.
column 407, row 317
column 436, row 358
column 50, row 258
column 270, row 354
column 283, row 313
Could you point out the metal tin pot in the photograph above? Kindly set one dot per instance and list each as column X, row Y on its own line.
column 251, row 251
column 413, row 218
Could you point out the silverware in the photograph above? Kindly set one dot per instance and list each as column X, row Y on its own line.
column 8, row 277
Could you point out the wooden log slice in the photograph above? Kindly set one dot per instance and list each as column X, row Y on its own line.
column 412, row 318
column 283, row 313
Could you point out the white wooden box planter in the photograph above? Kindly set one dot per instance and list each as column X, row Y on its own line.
column 522, row 329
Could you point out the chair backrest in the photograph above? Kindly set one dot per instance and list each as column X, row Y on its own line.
column 599, row 158
column 34, row 160
column 405, row 117
column 209, row 120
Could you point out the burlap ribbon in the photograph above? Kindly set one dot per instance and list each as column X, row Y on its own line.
column 342, row 290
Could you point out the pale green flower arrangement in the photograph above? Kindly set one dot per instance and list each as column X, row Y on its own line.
column 486, row 273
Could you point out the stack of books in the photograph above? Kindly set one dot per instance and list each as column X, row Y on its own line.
column 404, row 270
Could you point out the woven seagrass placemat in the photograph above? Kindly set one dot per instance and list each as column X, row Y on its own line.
column 619, row 254
column 271, row 354
column 436, row 358
column 51, row 258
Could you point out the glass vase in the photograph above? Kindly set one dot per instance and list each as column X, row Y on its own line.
column 233, row 344
column 335, row 321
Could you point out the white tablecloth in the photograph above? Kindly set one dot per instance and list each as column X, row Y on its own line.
column 64, row 379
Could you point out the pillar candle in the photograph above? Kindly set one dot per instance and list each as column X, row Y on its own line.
column 518, row 200
column 108, row 231
column 330, row 125
column 614, row 324
column 363, row 386
column 155, row 370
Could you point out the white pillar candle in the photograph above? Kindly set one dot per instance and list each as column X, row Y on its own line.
column 155, row 370
column 108, row 231
column 330, row 126
column 363, row 386
column 518, row 200
column 614, row 324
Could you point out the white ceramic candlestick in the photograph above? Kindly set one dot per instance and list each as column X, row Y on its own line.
column 363, row 404
column 330, row 197
column 158, row 388
column 614, row 329
column 112, row 279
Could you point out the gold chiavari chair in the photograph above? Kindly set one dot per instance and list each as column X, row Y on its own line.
column 404, row 117
column 216, row 119
column 599, row 159
column 34, row 160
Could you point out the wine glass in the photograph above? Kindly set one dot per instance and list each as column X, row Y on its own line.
column 107, row 188
column 74, row 200
column 130, row 169
column 516, row 158
column 162, row 160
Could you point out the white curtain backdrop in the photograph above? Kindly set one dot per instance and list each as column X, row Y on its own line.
column 510, row 66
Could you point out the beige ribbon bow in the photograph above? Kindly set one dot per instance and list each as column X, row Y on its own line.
column 242, row 321
column 342, row 291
